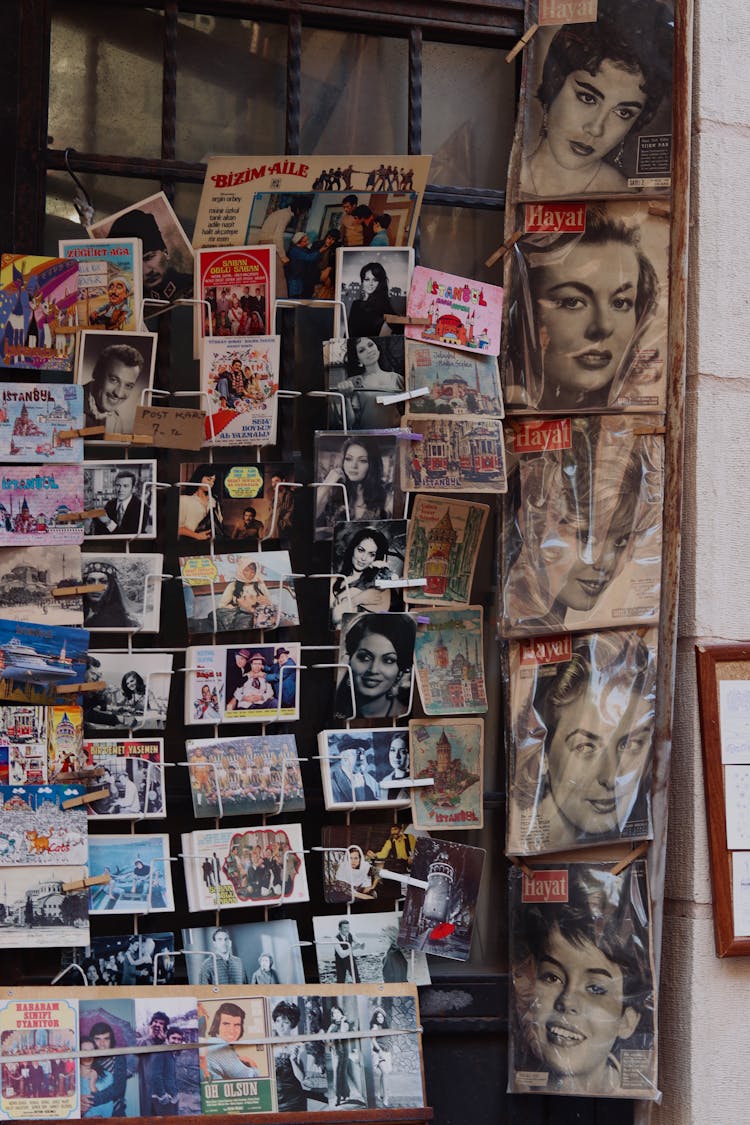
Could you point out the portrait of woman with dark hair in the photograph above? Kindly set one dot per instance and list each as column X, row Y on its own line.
column 356, row 482
column 367, row 554
column 107, row 608
column 367, row 314
column 363, row 369
column 378, row 648
column 590, row 88
column 199, row 512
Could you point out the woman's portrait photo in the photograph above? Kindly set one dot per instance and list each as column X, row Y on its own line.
column 580, row 770
column 377, row 658
column 587, row 315
column 356, row 478
column 582, row 980
column 583, row 526
column 362, row 767
column 130, row 600
column 362, row 369
column 371, row 284
column 598, row 104
column 364, row 554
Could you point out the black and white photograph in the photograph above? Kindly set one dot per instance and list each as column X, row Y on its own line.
column 439, row 918
column 362, row 948
column 582, row 999
column 366, row 553
column 137, row 693
column 131, row 599
column 133, row 772
column 372, row 283
column 376, row 654
column 357, row 477
column 127, row 493
column 392, row 1062
column 257, row 953
column 587, row 314
column 360, row 370
column 327, row 1072
column 596, row 107
column 122, row 959
column 29, row 578
column 354, row 857
column 582, row 722
column 362, row 768
column 114, row 369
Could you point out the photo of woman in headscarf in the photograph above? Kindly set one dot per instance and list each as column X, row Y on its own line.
column 107, row 608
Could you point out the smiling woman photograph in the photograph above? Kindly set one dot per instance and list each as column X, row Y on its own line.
column 580, row 771
column 379, row 650
column 587, row 315
column 598, row 104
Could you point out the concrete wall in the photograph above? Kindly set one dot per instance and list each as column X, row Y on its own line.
column 705, row 1002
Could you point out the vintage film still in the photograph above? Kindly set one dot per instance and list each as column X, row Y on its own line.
column 236, row 1076
column 257, row 953
column 133, row 772
column 39, row 1084
column 32, row 418
column 596, row 109
column 109, row 1083
column 140, row 874
column 131, row 599
column 376, row 666
column 168, row 1088
column 238, row 867
column 372, row 282
column 245, row 775
column 582, row 524
column 251, row 683
column 238, row 592
column 242, row 503
column 121, row 959
column 28, row 583
column 444, row 536
column 455, row 382
column 137, row 693
column 354, row 857
column 126, row 490
column 439, row 918
column 360, row 768
column 583, row 1014
column 365, row 553
column 450, row 754
column 357, row 477
column 586, row 318
column 361, row 370
column 116, row 371
column 363, row 949
column 582, row 712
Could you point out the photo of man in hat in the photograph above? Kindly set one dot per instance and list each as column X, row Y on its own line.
column 283, row 677
column 118, row 311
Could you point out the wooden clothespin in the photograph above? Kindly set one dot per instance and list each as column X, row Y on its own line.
column 73, row 689
column 527, row 35
column 660, row 210
column 84, row 431
column 89, row 881
column 127, row 439
column 85, row 798
column 73, row 517
column 501, row 250
column 71, row 591
column 528, row 871
column 392, row 318
column 637, row 853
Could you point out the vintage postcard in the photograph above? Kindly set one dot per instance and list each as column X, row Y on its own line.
column 257, row 953
column 448, row 754
column 133, row 774
column 363, row 768
column 375, row 666
column 442, row 547
column 167, row 255
column 126, row 492
column 360, row 372
column 36, row 911
column 357, row 479
column 238, row 284
column 252, row 683
column 235, row 867
column 32, row 418
column 245, row 775
column 453, row 454
column 140, row 874
column 33, row 497
column 109, row 1083
column 582, row 538
column 267, row 199
column 64, row 738
column 110, row 291
column 43, row 1084
column 122, row 959
column 367, row 563
column 137, row 693
column 308, row 1074
column 42, row 654
column 116, row 372
column 462, row 313
column 32, row 586
column 393, row 1064
column 362, row 948
column 449, row 659
column 439, row 918
column 582, row 922
column 23, row 739
column 241, row 503
column 236, row 1074
column 37, row 312
column 355, row 857
column 371, row 283
column 169, row 1081
column 131, row 599
column 239, row 385
column 35, row 829
column 452, row 382
column 229, row 593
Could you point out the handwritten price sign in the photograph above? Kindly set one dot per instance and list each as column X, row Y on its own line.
column 170, row 427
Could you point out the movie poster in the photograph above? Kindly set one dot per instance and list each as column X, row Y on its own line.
column 43, row 1083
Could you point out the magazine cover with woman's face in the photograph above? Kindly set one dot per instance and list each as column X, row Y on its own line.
column 596, row 115
column 582, row 525
column 586, row 318
column 582, row 1009
column 582, row 722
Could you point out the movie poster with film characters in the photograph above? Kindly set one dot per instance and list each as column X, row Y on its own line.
column 236, row 1077
column 237, row 283
column 244, row 683
column 110, row 292
column 240, row 377
column 236, row 867
column 248, row 501
column 43, row 1084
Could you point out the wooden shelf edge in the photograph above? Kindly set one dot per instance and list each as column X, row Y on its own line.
column 414, row 1116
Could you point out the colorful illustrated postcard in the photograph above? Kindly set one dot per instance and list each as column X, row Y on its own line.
column 235, row 867
column 462, row 313
column 23, row 738
column 450, row 755
column 362, row 948
column 439, row 918
column 110, row 292
column 131, row 599
column 357, row 479
column 372, row 282
column 355, row 857
column 35, row 829
column 140, row 874
column 116, row 372
column 168, row 1089
column 37, row 312
column 240, row 381
column 137, row 693
column 42, row 654
column 64, row 737
column 126, row 492
column 454, row 454
column 238, row 284
column 119, row 959
column 363, row 768
column 375, row 666
column 241, row 503
column 167, row 255
column 449, row 660
column 252, row 683
column 33, row 497
column 109, row 1084
column 455, row 382
column 229, row 593
column 133, row 774
column 31, row 584
column 245, row 775
column 442, row 547
column 236, row 1075
column 258, row 953
column 37, row 912
column 360, row 371
column 32, row 417
column 366, row 555
column 41, row 1085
